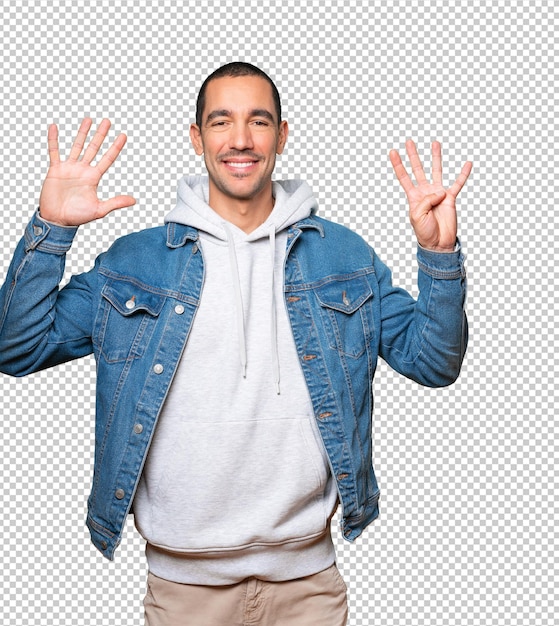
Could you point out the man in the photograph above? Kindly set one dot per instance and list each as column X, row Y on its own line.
column 235, row 349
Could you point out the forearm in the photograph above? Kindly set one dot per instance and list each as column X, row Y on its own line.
column 35, row 331
column 426, row 339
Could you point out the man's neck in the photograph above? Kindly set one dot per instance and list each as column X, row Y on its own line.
column 247, row 215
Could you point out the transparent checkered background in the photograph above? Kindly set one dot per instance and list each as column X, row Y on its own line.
column 469, row 490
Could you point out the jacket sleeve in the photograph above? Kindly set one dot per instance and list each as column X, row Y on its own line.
column 40, row 325
column 426, row 339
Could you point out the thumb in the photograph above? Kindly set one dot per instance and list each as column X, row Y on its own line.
column 434, row 198
column 430, row 201
column 118, row 202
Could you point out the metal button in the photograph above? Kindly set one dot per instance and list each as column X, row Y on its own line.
column 195, row 248
column 130, row 304
column 119, row 494
column 158, row 368
column 104, row 545
column 138, row 428
column 179, row 309
column 37, row 230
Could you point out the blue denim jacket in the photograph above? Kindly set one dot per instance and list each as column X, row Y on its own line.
column 134, row 310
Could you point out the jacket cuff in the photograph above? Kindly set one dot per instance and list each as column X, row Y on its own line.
column 444, row 265
column 48, row 237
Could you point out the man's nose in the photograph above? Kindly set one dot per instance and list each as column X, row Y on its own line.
column 240, row 137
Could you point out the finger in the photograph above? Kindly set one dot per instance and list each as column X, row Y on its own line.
column 437, row 166
column 400, row 171
column 434, row 199
column 462, row 178
column 79, row 141
column 97, row 141
column 428, row 203
column 415, row 161
column 118, row 202
column 111, row 155
column 52, row 137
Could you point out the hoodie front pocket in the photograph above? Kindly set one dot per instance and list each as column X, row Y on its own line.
column 126, row 319
column 231, row 485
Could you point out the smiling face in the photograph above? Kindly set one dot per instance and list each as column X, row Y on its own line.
column 239, row 138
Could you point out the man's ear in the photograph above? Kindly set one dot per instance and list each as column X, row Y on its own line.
column 282, row 137
column 196, row 139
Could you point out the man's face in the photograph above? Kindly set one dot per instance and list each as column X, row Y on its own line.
column 239, row 138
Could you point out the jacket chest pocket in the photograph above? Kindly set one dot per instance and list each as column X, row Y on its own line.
column 126, row 319
column 346, row 311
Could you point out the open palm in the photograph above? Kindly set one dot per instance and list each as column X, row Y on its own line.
column 432, row 208
column 69, row 193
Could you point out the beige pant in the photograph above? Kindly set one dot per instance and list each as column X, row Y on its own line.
column 317, row 600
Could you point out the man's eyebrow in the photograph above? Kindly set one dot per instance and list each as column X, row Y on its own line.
column 227, row 113
column 262, row 113
column 217, row 113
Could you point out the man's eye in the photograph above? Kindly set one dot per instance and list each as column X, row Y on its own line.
column 260, row 123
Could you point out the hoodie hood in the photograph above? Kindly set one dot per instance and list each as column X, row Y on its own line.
column 294, row 201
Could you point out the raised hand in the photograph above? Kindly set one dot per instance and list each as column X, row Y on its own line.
column 69, row 193
column 432, row 208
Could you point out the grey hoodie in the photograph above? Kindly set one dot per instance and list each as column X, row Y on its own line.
column 237, row 481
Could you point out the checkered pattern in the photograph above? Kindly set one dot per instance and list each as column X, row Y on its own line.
column 469, row 506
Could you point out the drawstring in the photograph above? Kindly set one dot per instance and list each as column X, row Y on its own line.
column 239, row 305
column 238, row 300
column 274, row 334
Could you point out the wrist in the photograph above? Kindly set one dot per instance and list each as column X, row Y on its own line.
column 51, row 221
column 441, row 249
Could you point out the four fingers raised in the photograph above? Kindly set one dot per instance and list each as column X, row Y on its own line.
column 418, row 171
column 93, row 147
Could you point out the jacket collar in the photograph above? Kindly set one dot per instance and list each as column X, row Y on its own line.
column 308, row 222
column 179, row 234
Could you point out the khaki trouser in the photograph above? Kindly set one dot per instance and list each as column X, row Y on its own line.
column 317, row 600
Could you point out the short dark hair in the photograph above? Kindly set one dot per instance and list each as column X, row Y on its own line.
column 235, row 69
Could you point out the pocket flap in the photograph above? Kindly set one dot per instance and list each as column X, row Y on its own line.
column 345, row 294
column 127, row 297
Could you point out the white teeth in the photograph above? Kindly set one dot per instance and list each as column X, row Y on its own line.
column 243, row 164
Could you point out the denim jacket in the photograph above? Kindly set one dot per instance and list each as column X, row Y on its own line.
column 134, row 310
